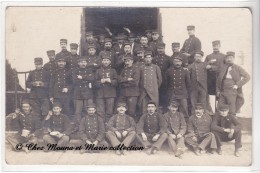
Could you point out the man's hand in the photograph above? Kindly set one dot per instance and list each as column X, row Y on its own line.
column 173, row 136
column 129, row 79
column 65, row 90
column 88, row 142
column 103, row 80
column 51, row 100
column 95, row 142
column 194, row 139
column 235, row 87
column 95, row 64
column 178, row 136
column 48, row 115
column 155, row 138
column 108, row 80
column 79, row 76
column 208, row 67
column 124, row 133
column 227, row 130
column 118, row 134
column 187, row 54
column 230, row 135
column 144, row 136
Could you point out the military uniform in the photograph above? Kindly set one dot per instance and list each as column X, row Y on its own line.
column 220, row 123
column 129, row 90
column 50, row 66
column 83, row 89
column 191, row 45
column 60, row 80
column 183, row 57
column 228, row 77
column 175, row 125
column 93, row 62
column 119, row 47
column 110, row 54
column 150, row 81
column 106, row 92
column 119, row 62
column 39, row 91
column 29, row 122
column 151, row 125
column 198, row 77
column 72, row 62
column 64, row 53
column 121, row 123
column 178, row 84
column 200, row 128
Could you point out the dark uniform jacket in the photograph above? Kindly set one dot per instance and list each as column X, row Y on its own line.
column 163, row 61
column 91, row 61
column 219, row 123
column 118, row 51
column 72, row 62
column 50, row 67
column 83, row 88
column 38, row 91
column 199, row 126
column 61, row 79
column 178, row 82
column 60, row 123
column 129, row 88
column 92, row 128
column 111, row 54
column 191, row 45
column 185, row 60
column 144, row 47
column 121, row 123
column 63, row 53
column 87, row 44
column 153, row 44
column 119, row 63
column 106, row 90
column 198, row 75
column 151, row 124
column 176, row 123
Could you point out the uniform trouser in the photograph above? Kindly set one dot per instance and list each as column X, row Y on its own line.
column 175, row 144
column 105, row 107
column 40, row 106
column 198, row 95
column 18, row 139
column 65, row 104
column 203, row 141
column 126, row 140
column 228, row 96
column 61, row 142
column 163, row 101
column 224, row 137
column 131, row 102
column 79, row 106
column 149, row 143
column 183, row 106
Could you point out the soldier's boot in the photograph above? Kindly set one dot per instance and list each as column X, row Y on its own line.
column 237, row 154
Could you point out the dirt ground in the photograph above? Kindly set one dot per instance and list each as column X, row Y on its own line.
column 162, row 158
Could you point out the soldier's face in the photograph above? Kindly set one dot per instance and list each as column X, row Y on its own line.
column 89, row 38
column 121, row 109
column 149, row 35
column 38, row 66
column 106, row 62
column 82, row 64
column 63, row 45
column 144, row 40
column 224, row 113
column 127, row 49
column 151, row 108
column 61, row 64
column 91, row 51
column 229, row 60
column 148, row 59
column 191, row 32
column 172, row 108
column 73, row 51
column 175, row 49
column 155, row 36
column 161, row 50
column 216, row 47
column 177, row 63
column 56, row 110
column 198, row 57
column 108, row 45
column 140, row 55
column 51, row 58
column 199, row 112
column 26, row 108
column 102, row 41
column 129, row 62
column 91, row 111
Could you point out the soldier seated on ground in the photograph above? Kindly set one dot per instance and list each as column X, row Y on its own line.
column 151, row 129
column 121, row 129
column 226, row 127
column 92, row 129
column 199, row 137
column 29, row 127
column 58, row 128
column 176, row 129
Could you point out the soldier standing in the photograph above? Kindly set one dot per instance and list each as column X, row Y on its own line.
column 90, row 41
column 64, row 52
column 144, row 44
column 118, row 47
column 176, row 52
column 199, row 137
column 50, row 66
column 229, row 84
column 129, row 85
column 139, row 61
column 38, row 82
column 93, row 61
column 106, row 82
column 151, row 129
column 29, row 126
column 108, row 52
column 155, row 41
column 83, row 80
column 177, row 80
column 119, row 61
column 72, row 60
column 121, row 128
column 176, row 129
column 191, row 45
column 61, row 86
column 150, row 81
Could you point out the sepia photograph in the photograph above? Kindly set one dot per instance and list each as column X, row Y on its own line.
column 135, row 86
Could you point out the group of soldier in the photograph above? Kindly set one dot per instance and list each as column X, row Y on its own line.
column 157, row 97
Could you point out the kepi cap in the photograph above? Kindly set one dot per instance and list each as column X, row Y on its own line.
column 63, row 40
column 74, row 45
column 50, row 52
column 190, row 27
